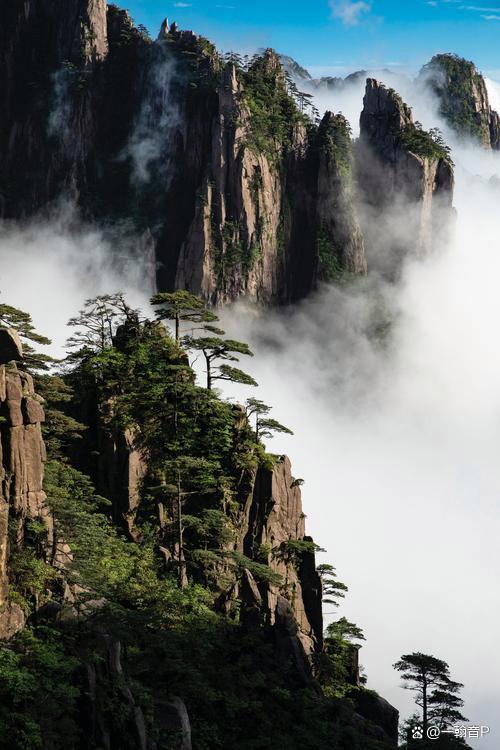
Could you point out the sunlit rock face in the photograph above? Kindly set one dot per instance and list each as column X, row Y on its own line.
column 160, row 142
column 405, row 171
column 22, row 457
column 168, row 145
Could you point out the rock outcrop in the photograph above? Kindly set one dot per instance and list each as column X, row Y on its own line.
column 272, row 520
column 406, row 174
column 232, row 244
column 121, row 470
column 166, row 144
column 22, row 457
column 51, row 52
column 463, row 98
column 270, row 220
column 383, row 717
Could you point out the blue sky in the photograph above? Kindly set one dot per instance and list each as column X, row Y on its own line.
column 339, row 33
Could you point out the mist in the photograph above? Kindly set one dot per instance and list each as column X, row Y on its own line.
column 397, row 436
column 149, row 147
column 51, row 264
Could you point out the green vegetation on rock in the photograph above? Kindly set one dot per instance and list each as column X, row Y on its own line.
column 128, row 613
column 428, row 144
column 458, row 84
column 274, row 114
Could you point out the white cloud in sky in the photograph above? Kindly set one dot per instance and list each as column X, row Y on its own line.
column 349, row 12
column 182, row 5
column 480, row 8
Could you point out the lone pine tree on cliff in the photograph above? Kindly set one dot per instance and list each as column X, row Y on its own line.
column 264, row 426
column 183, row 307
column 436, row 694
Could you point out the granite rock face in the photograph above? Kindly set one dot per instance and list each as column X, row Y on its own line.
column 22, row 457
column 231, row 245
column 463, row 98
column 163, row 144
column 11, row 347
column 154, row 141
column 403, row 173
column 121, row 469
column 272, row 517
column 259, row 215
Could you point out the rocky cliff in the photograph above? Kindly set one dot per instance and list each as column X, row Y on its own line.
column 258, row 191
column 22, row 457
column 129, row 652
column 463, row 98
column 213, row 165
column 270, row 521
column 404, row 172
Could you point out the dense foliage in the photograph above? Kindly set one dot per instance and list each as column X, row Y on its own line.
column 429, row 144
column 128, row 614
column 457, row 83
column 274, row 112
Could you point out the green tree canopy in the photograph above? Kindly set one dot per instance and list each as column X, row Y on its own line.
column 217, row 351
column 435, row 693
column 265, row 427
column 22, row 322
column 97, row 322
column 182, row 307
column 333, row 589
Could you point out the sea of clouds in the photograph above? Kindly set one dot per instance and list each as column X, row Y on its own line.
column 397, row 438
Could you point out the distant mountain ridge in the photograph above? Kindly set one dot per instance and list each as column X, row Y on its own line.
column 457, row 84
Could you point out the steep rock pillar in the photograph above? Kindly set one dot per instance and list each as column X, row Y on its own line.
column 406, row 180
column 22, row 457
column 463, row 98
column 273, row 520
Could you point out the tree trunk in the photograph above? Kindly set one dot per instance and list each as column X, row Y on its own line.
column 180, row 537
column 424, row 706
column 209, row 374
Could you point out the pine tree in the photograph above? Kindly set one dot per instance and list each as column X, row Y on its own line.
column 216, row 349
column 22, row 323
column 435, row 692
column 181, row 307
column 97, row 322
column 333, row 589
column 186, row 476
column 264, row 426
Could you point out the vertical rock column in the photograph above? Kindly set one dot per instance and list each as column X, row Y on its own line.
column 22, row 457
column 406, row 180
column 273, row 517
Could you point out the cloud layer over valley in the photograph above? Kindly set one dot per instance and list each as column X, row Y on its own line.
column 393, row 392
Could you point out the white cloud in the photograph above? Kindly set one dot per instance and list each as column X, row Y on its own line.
column 491, row 18
column 398, row 443
column 50, row 265
column 480, row 9
column 350, row 13
column 182, row 5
